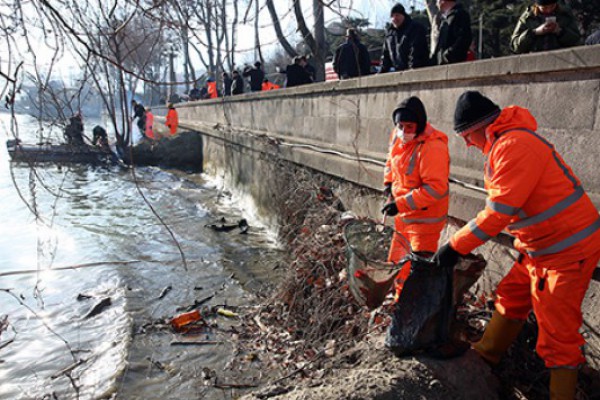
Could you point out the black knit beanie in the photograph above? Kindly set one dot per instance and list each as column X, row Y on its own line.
column 474, row 110
column 411, row 110
column 398, row 9
column 545, row 2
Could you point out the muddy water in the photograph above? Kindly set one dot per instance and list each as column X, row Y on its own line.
column 97, row 215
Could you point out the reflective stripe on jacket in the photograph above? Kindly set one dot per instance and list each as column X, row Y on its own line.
column 418, row 171
column 532, row 193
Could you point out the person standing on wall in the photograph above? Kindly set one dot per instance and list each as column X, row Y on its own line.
column 405, row 44
column 172, row 120
column 296, row 73
column 416, row 187
column 237, row 86
column 268, row 85
column 227, row 81
column 256, row 75
column 211, row 89
column 544, row 26
column 455, row 34
column 351, row 58
column 536, row 196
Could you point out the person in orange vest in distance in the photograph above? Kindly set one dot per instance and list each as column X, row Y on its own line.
column 268, row 85
column 536, row 196
column 416, row 186
column 211, row 87
column 172, row 119
column 150, row 124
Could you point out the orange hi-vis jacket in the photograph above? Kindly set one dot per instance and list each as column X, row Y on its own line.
column 534, row 194
column 211, row 88
column 150, row 125
column 172, row 121
column 270, row 86
column 418, row 171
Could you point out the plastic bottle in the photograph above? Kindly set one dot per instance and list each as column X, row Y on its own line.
column 184, row 319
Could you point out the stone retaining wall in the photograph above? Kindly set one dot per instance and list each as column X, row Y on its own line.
column 341, row 129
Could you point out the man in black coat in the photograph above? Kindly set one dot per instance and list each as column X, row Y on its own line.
column 237, row 86
column 74, row 131
column 351, row 59
column 227, row 82
column 296, row 73
column 256, row 75
column 405, row 45
column 455, row 34
column 139, row 112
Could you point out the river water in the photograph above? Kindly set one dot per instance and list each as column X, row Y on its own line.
column 97, row 215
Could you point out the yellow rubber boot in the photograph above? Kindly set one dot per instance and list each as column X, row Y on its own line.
column 497, row 338
column 563, row 384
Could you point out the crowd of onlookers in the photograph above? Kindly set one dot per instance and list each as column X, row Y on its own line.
column 545, row 25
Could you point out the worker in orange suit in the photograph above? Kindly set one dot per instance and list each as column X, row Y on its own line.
column 416, row 186
column 536, row 196
column 150, row 125
column 172, row 119
column 211, row 87
column 268, row 85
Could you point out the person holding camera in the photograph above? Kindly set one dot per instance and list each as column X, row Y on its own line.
column 545, row 26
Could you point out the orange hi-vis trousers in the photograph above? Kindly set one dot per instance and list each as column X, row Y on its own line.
column 421, row 242
column 555, row 294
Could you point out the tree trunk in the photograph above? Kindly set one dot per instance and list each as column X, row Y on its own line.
column 435, row 18
column 258, row 55
column 321, row 48
column 277, row 26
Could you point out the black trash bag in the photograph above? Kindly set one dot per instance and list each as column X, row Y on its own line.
column 426, row 311
column 422, row 316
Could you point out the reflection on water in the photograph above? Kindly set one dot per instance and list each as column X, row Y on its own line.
column 90, row 215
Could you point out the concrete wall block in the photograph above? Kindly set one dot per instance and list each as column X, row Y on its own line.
column 347, row 106
column 320, row 129
column 548, row 106
column 347, row 131
column 378, row 134
column 574, row 145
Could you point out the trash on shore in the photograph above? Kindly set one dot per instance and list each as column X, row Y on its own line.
column 181, row 321
column 164, row 292
column 98, row 308
column 223, row 226
column 227, row 313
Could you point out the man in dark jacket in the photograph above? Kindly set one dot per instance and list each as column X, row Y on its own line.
column 312, row 72
column 227, row 82
column 351, row 59
column 74, row 131
column 455, row 34
column 139, row 112
column 544, row 26
column 405, row 45
column 296, row 73
column 237, row 86
column 256, row 75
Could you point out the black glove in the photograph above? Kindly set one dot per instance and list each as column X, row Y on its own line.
column 446, row 256
column 390, row 209
column 387, row 190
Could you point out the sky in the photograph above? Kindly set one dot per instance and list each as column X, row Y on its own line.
column 376, row 11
